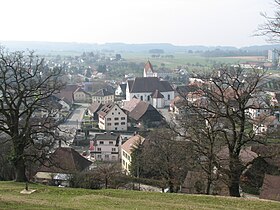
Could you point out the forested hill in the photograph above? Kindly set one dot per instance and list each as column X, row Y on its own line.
column 121, row 47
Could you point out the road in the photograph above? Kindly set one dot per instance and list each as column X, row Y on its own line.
column 69, row 127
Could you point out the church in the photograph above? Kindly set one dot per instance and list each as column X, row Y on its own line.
column 150, row 88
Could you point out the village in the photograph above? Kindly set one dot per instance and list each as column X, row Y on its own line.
column 103, row 122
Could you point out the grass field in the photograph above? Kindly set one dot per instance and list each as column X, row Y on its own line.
column 67, row 198
column 181, row 59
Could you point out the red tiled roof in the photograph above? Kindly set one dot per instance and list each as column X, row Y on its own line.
column 130, row 144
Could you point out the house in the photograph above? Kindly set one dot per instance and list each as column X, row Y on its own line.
column 105, row 147
column 66, row 94
column 93, row 110
column 103, row 96
column 126, row 150
column 144, row 87
column 112, row 117
column 271, row 188
column 149, row 70
column 264, row 114
column 177, row 106
column 61, row 164
column 142, row 113
column 81, row 96
column 121, row 90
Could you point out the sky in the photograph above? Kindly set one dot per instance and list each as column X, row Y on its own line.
column 179, row 22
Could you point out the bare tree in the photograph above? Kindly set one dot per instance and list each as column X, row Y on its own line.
column 163, row 157
column 271, row 27
column 107, row 171
column 26, row 113
column 220, row 117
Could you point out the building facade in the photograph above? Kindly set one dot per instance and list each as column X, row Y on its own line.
column 103, row 96
column 126, row 150
column 105, row 147
column 112, row 117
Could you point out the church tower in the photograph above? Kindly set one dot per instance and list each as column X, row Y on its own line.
column 149, row 71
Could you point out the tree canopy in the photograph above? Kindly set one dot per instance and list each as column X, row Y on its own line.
column 27, row 114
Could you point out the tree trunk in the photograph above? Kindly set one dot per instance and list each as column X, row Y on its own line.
column 208, row 187
column 234, row 182
column 171, row 186
column 20, row 170
column 234, row 189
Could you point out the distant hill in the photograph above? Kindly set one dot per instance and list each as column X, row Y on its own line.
column 44, row 47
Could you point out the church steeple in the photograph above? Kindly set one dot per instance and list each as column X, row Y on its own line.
column 148, row 70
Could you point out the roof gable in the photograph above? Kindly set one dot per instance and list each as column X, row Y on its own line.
column 157, row 94
column 106, row 109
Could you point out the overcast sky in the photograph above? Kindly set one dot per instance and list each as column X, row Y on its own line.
column 180, row 22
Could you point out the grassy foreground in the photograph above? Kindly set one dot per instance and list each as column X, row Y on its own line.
column 66, row 198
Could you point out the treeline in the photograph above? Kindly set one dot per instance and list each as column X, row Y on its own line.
column 232, row 53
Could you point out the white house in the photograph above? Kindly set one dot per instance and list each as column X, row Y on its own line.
column 143, row 88
column 126, row 150
column 103, row 96
column 81, row 96
column 105, row 147
column 112, row 117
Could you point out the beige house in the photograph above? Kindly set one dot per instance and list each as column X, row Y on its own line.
column 112, row 117
column 103, row 96
column 105, row 147
column 81, row 96
column 126, row 150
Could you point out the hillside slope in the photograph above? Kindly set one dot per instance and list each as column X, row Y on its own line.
column 66, row 198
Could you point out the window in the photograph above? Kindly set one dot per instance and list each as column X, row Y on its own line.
column 168, row 97
column 148, row 98
column 109, row 119
column 101, row 142
column 106, row 156
column 116, row 118
column 112, row 113
column 122, row 118
column 116, row 123
column 122, row 123
column 98, row 149
column 116, row 109
column 119, row 113
column 109, row 124
column 116, row 128
column 113, row 149
column 99, row 156
column 141, row 97
column 110, row 142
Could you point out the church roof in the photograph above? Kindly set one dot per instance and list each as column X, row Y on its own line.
column 148, row 84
